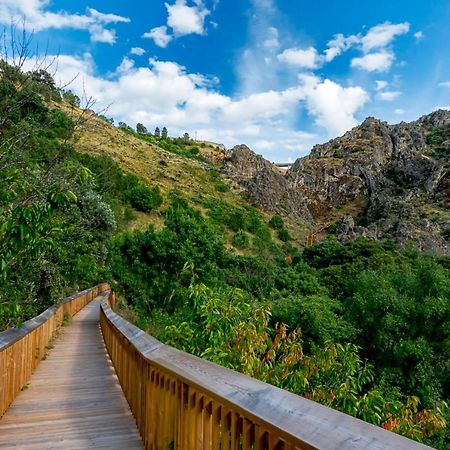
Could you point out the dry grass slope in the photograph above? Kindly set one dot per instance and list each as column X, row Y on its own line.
column 155, row 166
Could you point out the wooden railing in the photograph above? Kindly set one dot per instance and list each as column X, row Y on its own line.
column 21, row 349
column 183, row 402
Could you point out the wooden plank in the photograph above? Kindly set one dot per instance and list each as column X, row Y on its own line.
column 74, row 400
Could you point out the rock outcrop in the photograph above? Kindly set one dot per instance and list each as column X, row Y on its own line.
column 378, row 180
column 265, row 185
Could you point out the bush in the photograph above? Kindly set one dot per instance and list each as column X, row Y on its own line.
column 276, row 222
column 240, row 240
column 235, row 220
column 283, row 235
column 145, row 199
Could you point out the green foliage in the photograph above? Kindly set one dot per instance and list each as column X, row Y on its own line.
column 72, row 99
column 55, row 215
column 240, row 240
column 141, row 129
column 283, row 235
column 145, row 199
column 439, row 140
column 276, row 222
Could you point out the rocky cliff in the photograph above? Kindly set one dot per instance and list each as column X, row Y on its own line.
column 379, row 180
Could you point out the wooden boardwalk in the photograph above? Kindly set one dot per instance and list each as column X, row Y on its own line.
column 74, row 400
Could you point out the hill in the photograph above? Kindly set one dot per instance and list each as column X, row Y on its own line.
column 378, row 180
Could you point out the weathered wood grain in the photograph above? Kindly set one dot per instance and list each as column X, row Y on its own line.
column 74, row 400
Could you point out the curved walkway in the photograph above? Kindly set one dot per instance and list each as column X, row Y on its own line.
column 74, row 400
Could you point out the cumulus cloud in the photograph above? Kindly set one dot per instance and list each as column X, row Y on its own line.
column 333, row 106
column 138, row 51
column 182, row 19
column 159, row 35
column 382, row 35
column 444, row 84
column 374, row 62
column 375, row 42
column 166, row 94
column 399, row 112
column 418, row 35
column 339, row 44
column 307, row 58
column 389, row 96
column 185, row 19
column 38, row 18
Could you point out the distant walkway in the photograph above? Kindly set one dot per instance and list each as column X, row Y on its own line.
column 74, row 400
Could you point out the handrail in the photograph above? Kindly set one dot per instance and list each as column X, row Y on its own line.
column 183, row 402
column 21, row 349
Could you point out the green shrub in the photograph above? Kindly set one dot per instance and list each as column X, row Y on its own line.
column 145, row 199
column 283, row 235
column 235, row 220
column 222, row 187
column 240, row 239
column 276, row 222
column 193, row 151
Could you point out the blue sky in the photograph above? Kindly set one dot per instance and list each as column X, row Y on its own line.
column 277, row 75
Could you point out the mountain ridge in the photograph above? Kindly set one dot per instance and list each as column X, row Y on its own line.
column 378, row 180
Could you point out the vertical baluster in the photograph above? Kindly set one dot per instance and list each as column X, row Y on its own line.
column 226, row 429
column 260, row 438
column 247, row 434
column 207, row 424
column 192, row 419
column 216, row 426
column 199, row 410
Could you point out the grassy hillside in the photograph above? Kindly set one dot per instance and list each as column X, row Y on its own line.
column 197, row 178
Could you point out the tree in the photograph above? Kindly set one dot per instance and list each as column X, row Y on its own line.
column 164, row 133
column 72, row 99
column 141, row 129
column 186, row 138
column 157, row 132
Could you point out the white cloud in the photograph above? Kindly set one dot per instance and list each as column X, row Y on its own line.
column 380, row 84
column 307, row 58
column 125, row 66
column 389, row 96
column 333, row 105
column 399, row 112
column 38, row 18
column 338, row 45
column 374, row 62
column 444, row 84
column 382, row 35
column 418, row 35
column 184, row 19
column 166, row 94
column 138, row 51
column 159, row 35
column 378, row 38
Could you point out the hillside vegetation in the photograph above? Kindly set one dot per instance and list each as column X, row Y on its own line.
column 362, row 327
